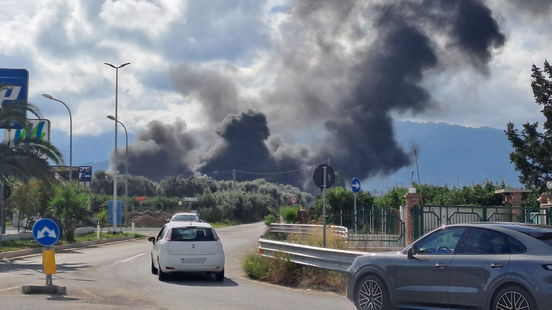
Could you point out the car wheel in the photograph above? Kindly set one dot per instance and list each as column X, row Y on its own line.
column 153, row 269
column 371, row 294
column 513, row 298
column 162, row 276
column 219, row 276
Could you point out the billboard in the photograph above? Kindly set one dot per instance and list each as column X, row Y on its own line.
column 34, row 128
column 14, row 89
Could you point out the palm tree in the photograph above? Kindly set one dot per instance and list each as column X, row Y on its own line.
column 27, row 157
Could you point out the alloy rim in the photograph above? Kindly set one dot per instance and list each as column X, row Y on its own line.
column 370, row 296
column 512, row 300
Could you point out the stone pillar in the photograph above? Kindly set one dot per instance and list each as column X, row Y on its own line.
column 412, row 199
column 513, row 198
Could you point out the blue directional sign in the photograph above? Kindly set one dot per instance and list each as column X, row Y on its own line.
column 355, row 185
column 119, row 212
column 85, row 173
column 46, row 232
column 14, row 89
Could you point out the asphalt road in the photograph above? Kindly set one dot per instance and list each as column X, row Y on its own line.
column 117, row 276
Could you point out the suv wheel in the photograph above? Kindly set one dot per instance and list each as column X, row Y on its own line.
column 371, row 294
column 513, row 298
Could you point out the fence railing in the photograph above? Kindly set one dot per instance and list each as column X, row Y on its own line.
column 330, row 259
column 308, row 229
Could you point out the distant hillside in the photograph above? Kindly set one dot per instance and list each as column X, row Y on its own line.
column 451, row 155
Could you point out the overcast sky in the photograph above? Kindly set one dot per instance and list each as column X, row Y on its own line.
column 197, row 61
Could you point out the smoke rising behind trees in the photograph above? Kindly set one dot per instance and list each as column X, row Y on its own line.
column 337, row 74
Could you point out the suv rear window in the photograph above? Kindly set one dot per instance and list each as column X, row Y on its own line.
column 192, row 234
column 186, row 218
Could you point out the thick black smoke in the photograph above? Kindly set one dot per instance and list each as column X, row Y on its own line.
column 345, row 67
column 160, row 150
column 243, row 146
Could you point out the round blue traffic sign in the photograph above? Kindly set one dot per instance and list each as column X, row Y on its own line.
column 46, row 232
column 355, row 185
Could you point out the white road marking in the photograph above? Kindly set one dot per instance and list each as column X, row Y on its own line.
column 126, row 260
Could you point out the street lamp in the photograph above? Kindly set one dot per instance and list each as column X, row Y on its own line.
column 115, row 170
column 70, row 134
column 111, row 117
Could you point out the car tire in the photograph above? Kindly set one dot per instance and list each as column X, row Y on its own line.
column 162, row 276
column 219, row 276
column 513, row 297
column 371, row 294
column 153, row 269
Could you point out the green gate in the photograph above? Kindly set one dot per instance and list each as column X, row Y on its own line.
column 428, row 218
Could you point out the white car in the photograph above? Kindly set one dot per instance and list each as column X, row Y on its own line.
column 187, row 247
column 185, row 217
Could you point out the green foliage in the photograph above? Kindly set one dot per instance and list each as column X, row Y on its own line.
column 290, row 214
column 338, row 200
column 71, row 206
column 256, row 266
column 269, row 219
column 532, row 150
column 31, row 198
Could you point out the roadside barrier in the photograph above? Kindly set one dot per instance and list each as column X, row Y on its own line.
column 308, row 229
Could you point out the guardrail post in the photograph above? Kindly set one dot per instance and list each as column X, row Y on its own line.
column 412, row 199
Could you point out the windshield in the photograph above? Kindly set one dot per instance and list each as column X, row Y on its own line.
column 192, row 234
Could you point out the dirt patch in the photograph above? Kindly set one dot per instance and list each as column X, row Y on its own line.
column 151, row 218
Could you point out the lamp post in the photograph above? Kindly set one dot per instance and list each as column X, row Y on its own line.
column 111, row 117
column 115, row 169
column 70, row 133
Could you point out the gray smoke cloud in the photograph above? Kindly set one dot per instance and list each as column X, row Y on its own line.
column 244, row 145
column 160, row 150
column 342, row 66
column 535, row 7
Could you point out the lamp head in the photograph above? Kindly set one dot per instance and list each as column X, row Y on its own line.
column 111, row 117
column 47, row 96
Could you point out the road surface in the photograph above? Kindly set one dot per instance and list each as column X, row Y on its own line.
column 117, row 276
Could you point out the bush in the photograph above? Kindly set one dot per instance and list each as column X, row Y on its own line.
column 269, row 219
column 256, row 266
column 289, row 214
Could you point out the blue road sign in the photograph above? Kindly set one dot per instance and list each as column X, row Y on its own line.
column 46, row 232
column 355, row 185
column 14, row 89
column 119, row 212
column 85, row 173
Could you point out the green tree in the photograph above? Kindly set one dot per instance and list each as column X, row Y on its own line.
column 31, row 198
column 532, row 154
column 71, row 206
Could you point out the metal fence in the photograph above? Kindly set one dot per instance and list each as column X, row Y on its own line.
column 309, row 229
column 372, row 227
column 428, row 218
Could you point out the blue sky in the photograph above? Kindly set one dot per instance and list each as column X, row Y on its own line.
column 237, row 47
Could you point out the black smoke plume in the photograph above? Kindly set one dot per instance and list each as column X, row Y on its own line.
column 160, row 150
column 243, row 146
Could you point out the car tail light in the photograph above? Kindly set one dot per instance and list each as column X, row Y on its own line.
column 168, row 236
column 215, row 236
column 547, row 267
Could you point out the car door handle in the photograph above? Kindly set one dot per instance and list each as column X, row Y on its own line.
column 440, row 266
column 496, row 265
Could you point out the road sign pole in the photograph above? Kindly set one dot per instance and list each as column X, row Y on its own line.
column 355, row 205
column 324, row 209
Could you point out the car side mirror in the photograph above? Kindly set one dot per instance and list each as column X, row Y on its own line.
column 151, row 239
column 411, row 252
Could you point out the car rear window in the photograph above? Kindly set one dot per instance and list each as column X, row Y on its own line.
column 192, row 234
column 544, row 237
column 185, row 218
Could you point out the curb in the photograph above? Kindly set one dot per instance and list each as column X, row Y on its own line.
column 60, row 248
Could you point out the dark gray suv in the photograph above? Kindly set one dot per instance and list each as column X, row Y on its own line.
column 498, row 266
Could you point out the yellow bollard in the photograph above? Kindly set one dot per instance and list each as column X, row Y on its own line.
column 49, row 262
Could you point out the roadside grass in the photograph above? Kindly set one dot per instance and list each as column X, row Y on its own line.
column 224, row 223
column 13, row 245
column 283, row 272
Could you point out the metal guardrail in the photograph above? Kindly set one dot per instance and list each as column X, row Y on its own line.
column 331, row 259
column 308, row 229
